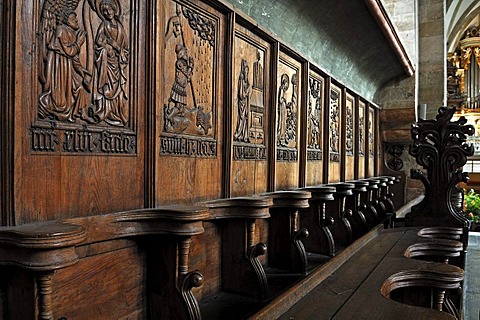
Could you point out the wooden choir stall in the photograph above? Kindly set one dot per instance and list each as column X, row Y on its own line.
column 174, row 160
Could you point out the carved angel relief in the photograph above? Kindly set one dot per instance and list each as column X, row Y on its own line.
column 334, row 126
column 314, row 149
column 189, row 79
column 287, row 118
column 84, row 56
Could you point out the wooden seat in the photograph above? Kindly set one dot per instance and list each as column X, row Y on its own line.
column 362, row 276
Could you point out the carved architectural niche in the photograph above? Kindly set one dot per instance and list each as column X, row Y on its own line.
column 85, row 100
column 190, row 81
column 440, row 147
column 249, row 96
column 287, row 109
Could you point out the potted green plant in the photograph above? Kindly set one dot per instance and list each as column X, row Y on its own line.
column 472, row 208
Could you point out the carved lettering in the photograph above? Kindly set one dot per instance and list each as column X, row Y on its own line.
column 185, row 146
column 44, row 139
column 314, row 155
column 78, row 141
column 249, row 152
column 84, row 141
column 287, row 154
column 115, row 143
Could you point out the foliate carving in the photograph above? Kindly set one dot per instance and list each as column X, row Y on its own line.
column 395, row 151
column 334, row 126
column 190, row 41
column 84, row 54
column 349, row 138
column 440, row 147
column 204, row 27
column 314, row 149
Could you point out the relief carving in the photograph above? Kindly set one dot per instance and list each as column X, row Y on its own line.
column 349, row 131
column 361, row 132
column 370, row 136
column 287, row 112
column 84, row 56
column 249, row 133
column 243, row 99
column 334, row 126
column 287, row 119
column 314, row 149
column 73, row 90
column 190, row 57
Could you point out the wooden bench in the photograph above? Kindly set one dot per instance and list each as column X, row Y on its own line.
column 363, row 281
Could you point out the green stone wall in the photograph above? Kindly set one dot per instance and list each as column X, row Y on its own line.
column 315, row 29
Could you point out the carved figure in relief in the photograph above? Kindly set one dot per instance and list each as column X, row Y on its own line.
column 291, row 123
column 314, row 115
column 64, row 79
column 258, row 72
column 111, row 60
column 175, row 120
column 334, row 114
column 361, row 141
column 349, row 131
column 243, row 95
column 281, row 109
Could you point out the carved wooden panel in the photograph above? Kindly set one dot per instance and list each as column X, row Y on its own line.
column 350, row 135
column 361, row 139
column 95, row 287
column 371, row 133
column 250, row 101
column 77, row 140
column 287, row 122
column 85, row 69
column 314, row 123
column 335, row 143
column 191, row 104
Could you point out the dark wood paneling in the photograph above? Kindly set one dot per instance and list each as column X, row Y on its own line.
column 287, row 124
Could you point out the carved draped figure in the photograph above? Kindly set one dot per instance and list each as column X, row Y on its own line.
column 111, row 52
column 241, row 132
column 63, row 94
